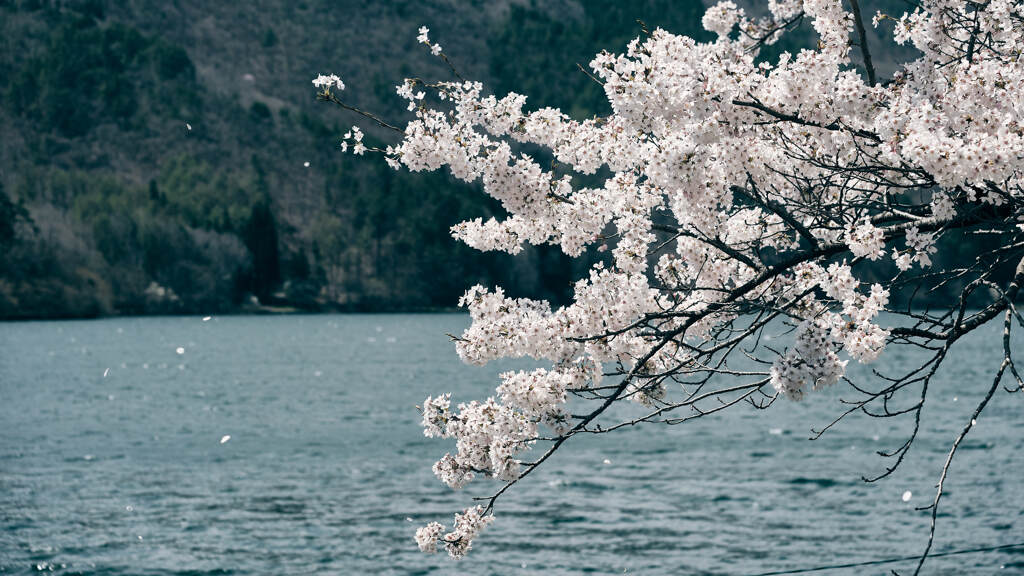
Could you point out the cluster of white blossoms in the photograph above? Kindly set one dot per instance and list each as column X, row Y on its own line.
column 811, row 361
column 327, row 82
column 353, row 137
column 866, row 241
column 460, row 539
column 842, row 322
column 921, row 244
column 733, row 186
column 423, row 38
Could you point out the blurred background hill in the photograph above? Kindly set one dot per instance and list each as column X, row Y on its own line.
column 169, row 157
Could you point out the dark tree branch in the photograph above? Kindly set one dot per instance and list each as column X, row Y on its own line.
column 862, row 35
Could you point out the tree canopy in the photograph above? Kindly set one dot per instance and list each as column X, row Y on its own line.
column 744, row 220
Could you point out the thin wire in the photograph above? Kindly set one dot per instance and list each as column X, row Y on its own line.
column 889, row 560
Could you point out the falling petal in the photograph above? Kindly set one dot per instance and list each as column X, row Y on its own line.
column 225, row 438
column 907, row 495
column 105, row 372
column 180, row 350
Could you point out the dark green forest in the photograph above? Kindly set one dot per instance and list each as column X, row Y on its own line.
column 170, row 157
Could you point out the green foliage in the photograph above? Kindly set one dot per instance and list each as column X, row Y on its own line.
column 172, row 61
column 260, row 236
column 204, row 197
column 269, row 38
column 137, row 237
column 11, row 214
column 89, row 73
column 93, row 196
column 260, row 112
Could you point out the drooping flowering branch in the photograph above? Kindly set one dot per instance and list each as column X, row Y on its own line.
column 745, row 199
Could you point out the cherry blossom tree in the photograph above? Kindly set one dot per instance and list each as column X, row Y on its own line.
column 739, row 197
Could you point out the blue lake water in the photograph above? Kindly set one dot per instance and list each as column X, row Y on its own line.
column 327, row 472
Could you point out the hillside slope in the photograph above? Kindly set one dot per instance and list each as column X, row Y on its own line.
column 168, row 157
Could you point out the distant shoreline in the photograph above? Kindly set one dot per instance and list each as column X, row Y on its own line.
column 253, row 310
column 246, row 311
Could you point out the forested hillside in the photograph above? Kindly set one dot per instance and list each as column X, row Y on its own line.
column 169, row 157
